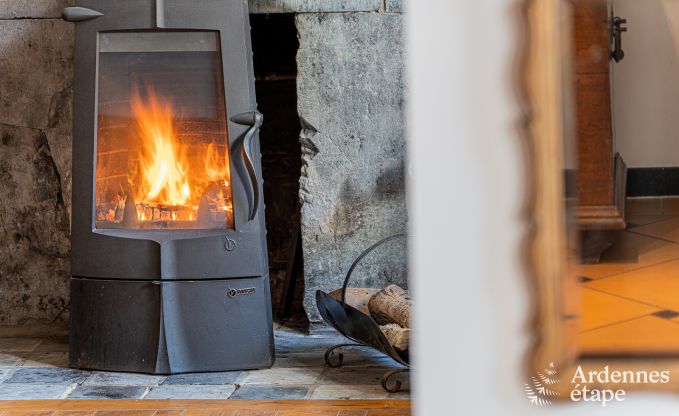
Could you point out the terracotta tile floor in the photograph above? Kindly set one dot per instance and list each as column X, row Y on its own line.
column 631, row 299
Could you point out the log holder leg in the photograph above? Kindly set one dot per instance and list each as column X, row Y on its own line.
column 336, row 360
column 391, row 382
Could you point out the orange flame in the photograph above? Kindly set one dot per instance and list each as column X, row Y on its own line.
column 167, row 175
column 164, row 169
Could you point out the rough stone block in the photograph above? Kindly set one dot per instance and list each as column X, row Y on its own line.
column 36, row 60
column 350, row 99
column 34, row 260
column 177, row 392
column 35, row 139
column 254, row 392
column 314, row 6
column 108, row 392
column 13, row 9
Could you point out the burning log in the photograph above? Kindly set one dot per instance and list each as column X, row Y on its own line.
column 156, row 212
column 398, row 337
column 391, row 305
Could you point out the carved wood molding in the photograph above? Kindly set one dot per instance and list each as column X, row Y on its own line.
column 543, row 81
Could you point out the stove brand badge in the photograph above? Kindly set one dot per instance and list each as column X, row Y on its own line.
column 540, row 388
column 241, row 292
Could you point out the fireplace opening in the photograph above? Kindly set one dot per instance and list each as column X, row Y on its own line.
column 162, row 157
column 274, row 45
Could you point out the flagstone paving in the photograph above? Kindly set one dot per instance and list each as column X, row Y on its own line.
column 33, row 367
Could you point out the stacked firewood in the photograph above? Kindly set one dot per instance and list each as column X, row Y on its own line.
column 389, row 307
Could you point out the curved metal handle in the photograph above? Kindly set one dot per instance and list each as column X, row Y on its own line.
column 360, row 257
column 255, row 120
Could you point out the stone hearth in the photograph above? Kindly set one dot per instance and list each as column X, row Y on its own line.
column 33, row 366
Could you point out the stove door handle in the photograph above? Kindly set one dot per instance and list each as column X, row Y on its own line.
column 254, row 119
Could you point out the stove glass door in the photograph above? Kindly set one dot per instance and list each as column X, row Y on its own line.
column 162, row 154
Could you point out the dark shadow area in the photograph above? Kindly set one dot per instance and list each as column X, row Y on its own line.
column 274, row 45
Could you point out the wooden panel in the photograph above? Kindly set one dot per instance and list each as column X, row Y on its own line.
column 590, row 36
column 206, row 407
column 594, row 139
column 595, row 178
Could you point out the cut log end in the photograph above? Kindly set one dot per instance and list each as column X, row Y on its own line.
column 391, row 305
column 398, row 337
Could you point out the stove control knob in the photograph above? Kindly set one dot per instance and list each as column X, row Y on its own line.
column 230, row 244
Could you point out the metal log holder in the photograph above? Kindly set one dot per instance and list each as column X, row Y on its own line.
column 359, row 327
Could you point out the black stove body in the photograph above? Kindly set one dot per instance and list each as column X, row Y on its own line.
column 169, row 260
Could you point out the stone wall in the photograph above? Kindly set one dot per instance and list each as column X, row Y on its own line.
column 36, row 55
column 350, row 103
column 350, row 100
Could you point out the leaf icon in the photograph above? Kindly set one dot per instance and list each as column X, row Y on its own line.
column 537, row 390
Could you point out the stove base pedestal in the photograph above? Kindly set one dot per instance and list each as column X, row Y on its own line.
column 167, row 327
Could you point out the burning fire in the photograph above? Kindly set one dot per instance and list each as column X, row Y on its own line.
column 175, row 178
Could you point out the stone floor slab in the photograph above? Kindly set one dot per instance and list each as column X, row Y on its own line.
column 46, row 360
column 355, row 392
column 10, row 360
column 9, row 345
column 267, row 392
column 33, row 391
column 278, row 376
column 5, row 372
column 302, row 344
column 191, row 392
column 48, row 376
column 361, row 356
column 353, row 375
column 298, row 373
column 108, row 392
column 308, row 359
column 56, row 344
column 100, row 378
column 227, row 377
column 400, row 395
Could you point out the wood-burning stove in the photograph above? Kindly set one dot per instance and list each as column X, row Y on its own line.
column 169, row 266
